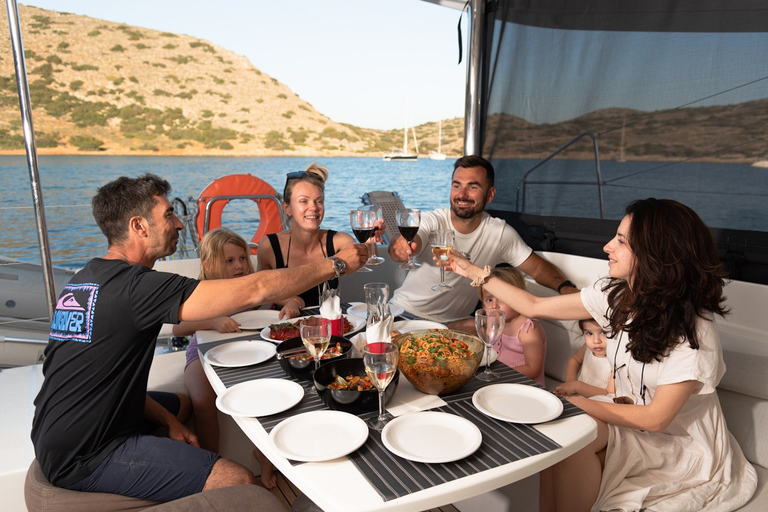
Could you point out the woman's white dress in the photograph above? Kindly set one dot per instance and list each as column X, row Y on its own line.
column 696, row 464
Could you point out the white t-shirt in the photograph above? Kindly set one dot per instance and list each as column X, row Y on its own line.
column 493, row 242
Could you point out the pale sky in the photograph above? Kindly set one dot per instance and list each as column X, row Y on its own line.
column 364, row 62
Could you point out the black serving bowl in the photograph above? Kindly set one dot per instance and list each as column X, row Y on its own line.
column 355, row 402
column 302, row 370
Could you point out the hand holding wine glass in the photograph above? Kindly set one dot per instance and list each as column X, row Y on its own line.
column 316, row 336
column 363, row 223
column 489, row 324
column 442, row 242
column 408, row 222
column 375, row 259
column 380, row 361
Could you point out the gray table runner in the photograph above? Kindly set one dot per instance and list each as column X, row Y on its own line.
column 393, row 476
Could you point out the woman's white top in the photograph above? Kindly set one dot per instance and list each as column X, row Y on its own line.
column 695, row 464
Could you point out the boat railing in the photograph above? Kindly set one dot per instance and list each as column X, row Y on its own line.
column 525, row 181
column 186, row 211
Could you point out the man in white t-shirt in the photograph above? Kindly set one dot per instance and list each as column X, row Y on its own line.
column 485, row 240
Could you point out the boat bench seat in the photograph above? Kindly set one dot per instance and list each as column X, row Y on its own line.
column 743, row 391
column 42, row 496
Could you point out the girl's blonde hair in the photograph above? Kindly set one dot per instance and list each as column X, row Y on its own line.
column 211, row 252
column 509, row 275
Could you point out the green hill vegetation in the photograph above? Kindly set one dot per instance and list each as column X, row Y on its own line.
column 99, row 86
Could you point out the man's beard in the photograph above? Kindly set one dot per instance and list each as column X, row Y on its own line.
column 468, row 212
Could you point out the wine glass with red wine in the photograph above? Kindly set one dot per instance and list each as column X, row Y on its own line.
column 408, row 222
column 363, row 226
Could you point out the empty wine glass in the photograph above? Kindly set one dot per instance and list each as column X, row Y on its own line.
column 408, row 222
column 316, row 336
column 380, row 361
column 375, row 259
column 363, row 226
column 489, row 324
column 442, row 243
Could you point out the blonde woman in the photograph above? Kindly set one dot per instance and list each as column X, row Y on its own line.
column 305, row 241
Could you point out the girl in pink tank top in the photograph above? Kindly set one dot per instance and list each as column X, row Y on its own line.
column 523, row 343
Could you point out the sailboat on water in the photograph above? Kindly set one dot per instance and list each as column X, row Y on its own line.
column 402, row 155
column 438, row 153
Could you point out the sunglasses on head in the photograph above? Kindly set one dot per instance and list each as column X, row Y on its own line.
column 297, row 175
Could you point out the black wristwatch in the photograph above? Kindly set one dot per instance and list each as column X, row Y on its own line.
column 338, row 266
column 566, row 283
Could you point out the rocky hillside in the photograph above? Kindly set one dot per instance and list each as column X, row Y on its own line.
column 108, row 87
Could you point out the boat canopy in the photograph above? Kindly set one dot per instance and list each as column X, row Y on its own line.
column 585, row 106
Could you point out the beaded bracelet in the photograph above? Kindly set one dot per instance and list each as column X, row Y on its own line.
column 482, row 278
column 297, row 301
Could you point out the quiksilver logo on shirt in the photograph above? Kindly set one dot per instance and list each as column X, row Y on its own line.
column 73, row 316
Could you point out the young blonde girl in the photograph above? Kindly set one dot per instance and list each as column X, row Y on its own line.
column 523, row 343
column 223, row 255
column 588, row 372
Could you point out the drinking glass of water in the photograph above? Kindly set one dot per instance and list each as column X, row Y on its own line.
column 408, row 222
column 442, row 242
column 380, row 361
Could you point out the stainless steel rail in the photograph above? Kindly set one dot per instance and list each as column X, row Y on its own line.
column 29, row 142
column 475, row 93
column 524, row 182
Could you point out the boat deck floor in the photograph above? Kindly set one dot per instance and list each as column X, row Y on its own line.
column 286, row 492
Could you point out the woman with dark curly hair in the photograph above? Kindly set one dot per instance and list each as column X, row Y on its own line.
column 662, row 443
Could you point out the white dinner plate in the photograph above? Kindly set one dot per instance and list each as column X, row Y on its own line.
column 357, row 324
column 319, row 435
column 240, row 353
column 416, row 325
column 517, row 403
column 260, row 397
column 256, row 320
column 432, row 437
column 361, row 309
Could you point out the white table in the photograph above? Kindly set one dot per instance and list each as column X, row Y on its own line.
column 339, row 486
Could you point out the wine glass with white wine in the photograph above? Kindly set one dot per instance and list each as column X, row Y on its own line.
column 380, row 361
column 442, row 242
column 316, row 336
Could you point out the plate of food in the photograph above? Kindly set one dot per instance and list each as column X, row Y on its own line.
column 260, row 397
column 240, row 353
column 517, row 403
column 431, row 437
column 279, row 332
column 361, row 309
column 257, row 319
column 319, row 435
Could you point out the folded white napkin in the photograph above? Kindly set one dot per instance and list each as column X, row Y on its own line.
column 330, row 308
column 380, row 331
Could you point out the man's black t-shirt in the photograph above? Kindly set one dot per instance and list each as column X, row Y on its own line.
column 98, row 357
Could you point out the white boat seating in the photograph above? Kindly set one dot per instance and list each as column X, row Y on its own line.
column 390, row 203
column 41, row 496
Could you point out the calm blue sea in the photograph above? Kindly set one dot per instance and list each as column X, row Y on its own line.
column 725, row 195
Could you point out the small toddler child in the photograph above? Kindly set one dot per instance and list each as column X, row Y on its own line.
column 588, row 372
column 523, row 343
